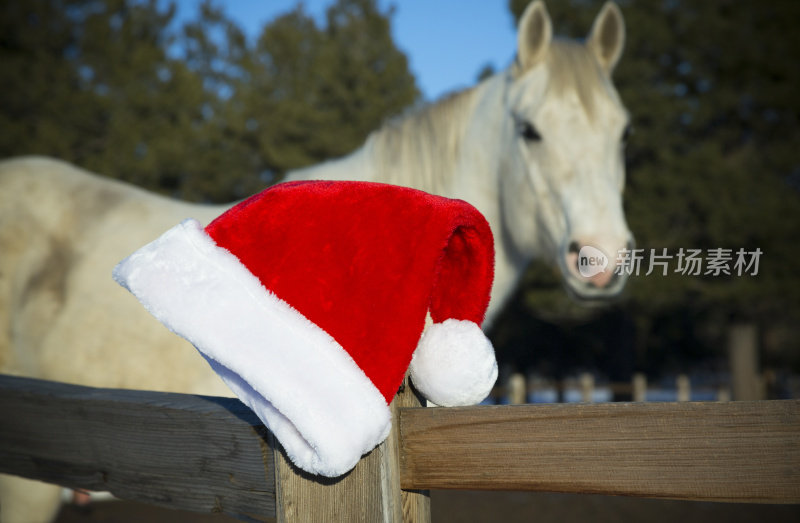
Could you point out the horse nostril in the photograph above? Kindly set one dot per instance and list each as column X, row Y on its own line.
column 573, row 251
column 573, row 248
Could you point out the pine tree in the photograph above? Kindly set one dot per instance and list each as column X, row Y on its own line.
column 313, row 93
column 197, row 112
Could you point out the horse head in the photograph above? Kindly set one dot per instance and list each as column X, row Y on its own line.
column 565, row 153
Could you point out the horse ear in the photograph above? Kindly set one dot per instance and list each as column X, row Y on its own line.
column 607, row 37
column 534, row 35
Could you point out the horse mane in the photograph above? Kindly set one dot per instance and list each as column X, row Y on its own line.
column 421, row 147
column 573, row 68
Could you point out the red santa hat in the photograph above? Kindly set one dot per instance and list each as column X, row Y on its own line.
column 309, row 299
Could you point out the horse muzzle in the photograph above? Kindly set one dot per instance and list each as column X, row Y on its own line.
column 592, row 271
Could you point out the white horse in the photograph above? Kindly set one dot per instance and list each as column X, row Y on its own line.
column 538, row 149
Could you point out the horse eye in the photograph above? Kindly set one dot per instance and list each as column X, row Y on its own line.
column 626, row 133
column 528, row 131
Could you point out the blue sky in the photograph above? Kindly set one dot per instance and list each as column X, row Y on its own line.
column 447, row 42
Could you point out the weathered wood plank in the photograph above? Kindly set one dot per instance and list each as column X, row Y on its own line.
column 306, row 498
column 369, row 493
column 204, row 454
column 416, row 504
column 736, row 452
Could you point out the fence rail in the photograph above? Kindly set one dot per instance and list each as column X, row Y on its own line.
column 196, row 453
column 212, row 455
column 733, row 452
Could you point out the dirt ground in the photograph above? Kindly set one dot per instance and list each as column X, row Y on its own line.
column 506, row 507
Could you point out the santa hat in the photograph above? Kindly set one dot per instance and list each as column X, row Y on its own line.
column 309, row 299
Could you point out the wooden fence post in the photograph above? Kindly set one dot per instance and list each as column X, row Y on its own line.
column 517, row 389
column 587, row 387
column 639, row 387
column 743, row 354
column 684, row 388
column 723, row 394
column 370, row 492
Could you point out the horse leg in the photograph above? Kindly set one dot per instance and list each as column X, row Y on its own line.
column 28, row 501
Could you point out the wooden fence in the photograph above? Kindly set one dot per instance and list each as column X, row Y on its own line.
column 518, row 390
column 212, row 454
column 744, row 381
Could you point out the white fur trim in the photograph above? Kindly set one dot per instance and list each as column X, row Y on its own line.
column 299, row 381
column 454, row 364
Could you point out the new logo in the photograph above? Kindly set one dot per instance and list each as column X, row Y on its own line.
column 591, row 261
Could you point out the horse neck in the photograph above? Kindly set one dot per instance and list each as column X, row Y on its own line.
column 445, row 148
column 427, row 149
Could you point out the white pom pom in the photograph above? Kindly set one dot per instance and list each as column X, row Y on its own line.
column 454, row 364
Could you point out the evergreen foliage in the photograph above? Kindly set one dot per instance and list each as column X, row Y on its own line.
column 197, row 112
